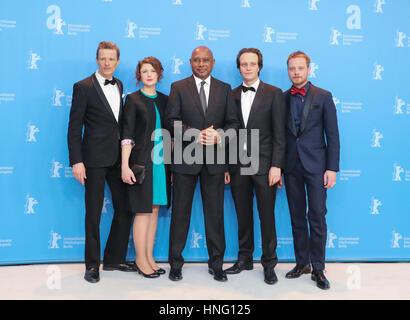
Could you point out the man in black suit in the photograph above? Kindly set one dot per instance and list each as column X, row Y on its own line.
column 204, row 107
column 95, row 157
column 312, row 160
column 260, row 107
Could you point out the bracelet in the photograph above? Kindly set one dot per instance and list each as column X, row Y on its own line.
column 127, row 142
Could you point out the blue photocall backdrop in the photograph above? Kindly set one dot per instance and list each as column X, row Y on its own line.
column 360, row 52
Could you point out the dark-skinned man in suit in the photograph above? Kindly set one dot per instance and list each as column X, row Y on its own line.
column 203, row 106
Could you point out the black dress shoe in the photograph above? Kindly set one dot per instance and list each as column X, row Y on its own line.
column 120, row 267
column 320, row 279
column 219, row 274
column 297, row 271
column 147, row 275
column 239, row 266
column 160, row 271
column 175, row 274
column 92, row 274
column 270, row 276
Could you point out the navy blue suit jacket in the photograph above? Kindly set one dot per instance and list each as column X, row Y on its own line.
column 317, row 141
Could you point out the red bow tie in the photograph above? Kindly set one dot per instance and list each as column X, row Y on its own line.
column 294, row 91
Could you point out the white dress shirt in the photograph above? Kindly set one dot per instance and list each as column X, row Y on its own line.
column 112, row 93
column 207, row 85
column 247, row 100
column 246, row 103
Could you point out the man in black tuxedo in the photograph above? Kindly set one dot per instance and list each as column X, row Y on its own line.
column 204, row 107
column 95, row 157
column 260, row 107
column 312, row 160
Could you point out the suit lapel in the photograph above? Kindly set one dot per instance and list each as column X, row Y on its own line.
column 291, row 118
column 306, row 108
column 102, row 95
column 121, row 89
column 237, row 95
column 213, row 94
column 256, row 101
column 192, row 88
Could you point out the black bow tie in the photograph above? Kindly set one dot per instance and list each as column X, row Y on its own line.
column 244, row 89
column 112, row 81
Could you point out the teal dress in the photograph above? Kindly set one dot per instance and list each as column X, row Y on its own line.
column 159, row 192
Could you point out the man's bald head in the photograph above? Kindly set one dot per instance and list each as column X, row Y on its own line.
column 202, row 48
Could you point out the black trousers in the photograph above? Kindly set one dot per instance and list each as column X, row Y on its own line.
column 117, row 243
column 309, row 238
column 242, row 188
column 212, row 192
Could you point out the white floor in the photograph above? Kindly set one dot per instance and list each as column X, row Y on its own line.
column 348, row 281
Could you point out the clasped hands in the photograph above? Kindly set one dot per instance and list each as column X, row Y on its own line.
column 209, row 136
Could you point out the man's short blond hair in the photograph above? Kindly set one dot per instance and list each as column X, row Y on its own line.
column 299, row 54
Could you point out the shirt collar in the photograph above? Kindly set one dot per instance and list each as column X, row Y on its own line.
column 306, row 86
column 100, row 78
column 198, row 81
column 255, row 84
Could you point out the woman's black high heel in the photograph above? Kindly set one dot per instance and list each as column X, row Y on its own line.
column 160, row 271
column 151, row 275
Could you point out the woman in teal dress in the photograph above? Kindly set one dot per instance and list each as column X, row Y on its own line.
column 143, row 148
